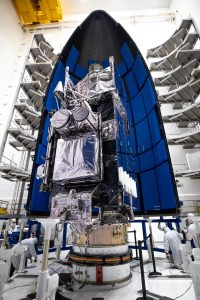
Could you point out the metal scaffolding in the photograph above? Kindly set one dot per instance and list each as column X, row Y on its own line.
column 24, row 120
column 175, row 67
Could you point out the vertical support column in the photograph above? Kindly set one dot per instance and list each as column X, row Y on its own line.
column 144, row 231
column 23, row 185
column 38, row 229
column 44, row 277
column 144, row 292
column 136, row 245
column 30, row 223
column 64, row 236
column 154, row 273
column 22, row 223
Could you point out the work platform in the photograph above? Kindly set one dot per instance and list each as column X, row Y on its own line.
column 185, row 93
column 44, row 50
column 173, row 42
column 22, row 131
column 179, row 76
column 22, row 139
column 29, row 86
column 192, row 173
column 176, row 74
column 28, row 114
column 185, row 56
column 44, row 68
column 187, row 115
column 34, row 94
column 187, row 140
column 36, row 99
column 13, row 173
column 43, row 80
column 172, row 61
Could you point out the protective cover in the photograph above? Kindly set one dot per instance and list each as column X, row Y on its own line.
column 60, row 118
column 77, row 159
column 74, row 208
column 96, row 82
column 142, row 150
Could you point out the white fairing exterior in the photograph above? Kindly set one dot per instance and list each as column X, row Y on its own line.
column 109, row 271
column 111, row 274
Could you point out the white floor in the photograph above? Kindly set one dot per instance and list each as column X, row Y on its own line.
column 172, row 288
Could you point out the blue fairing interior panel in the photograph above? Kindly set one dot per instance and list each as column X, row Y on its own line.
column 143, row 151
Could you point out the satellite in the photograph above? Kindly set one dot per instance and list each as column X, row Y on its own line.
column 101, row 155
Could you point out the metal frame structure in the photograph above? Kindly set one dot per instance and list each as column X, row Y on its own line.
column 24, row 119
column 144, row 223
column 13, row 238
column 179, row 59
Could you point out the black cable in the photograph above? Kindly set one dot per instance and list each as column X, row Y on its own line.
column 184, row 292
column 33, row 282
column 84, row 283
column 64, row 283
column 70, row 288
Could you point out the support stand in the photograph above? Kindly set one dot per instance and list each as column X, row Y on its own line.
column 22, row 223
column 46, row 285
column 136, row 245
column 144, row 292
column 154, row 272
column 58, row 240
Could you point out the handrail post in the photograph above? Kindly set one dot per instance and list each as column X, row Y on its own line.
column 136, row 245
column 154, row 273
column 144, row 292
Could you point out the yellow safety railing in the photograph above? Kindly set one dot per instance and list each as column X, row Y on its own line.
column 4, row 207
column 3, row 211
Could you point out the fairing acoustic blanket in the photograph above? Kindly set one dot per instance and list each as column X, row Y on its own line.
column 142, row 150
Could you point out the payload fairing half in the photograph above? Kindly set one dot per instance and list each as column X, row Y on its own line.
column 101, row 154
